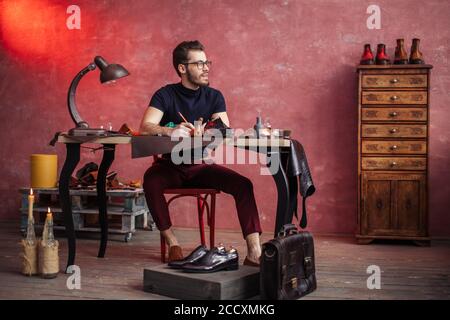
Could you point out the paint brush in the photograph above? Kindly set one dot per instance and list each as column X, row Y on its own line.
column 185, row 120
column 182, row 117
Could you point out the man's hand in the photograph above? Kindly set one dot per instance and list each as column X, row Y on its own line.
column 183, row 130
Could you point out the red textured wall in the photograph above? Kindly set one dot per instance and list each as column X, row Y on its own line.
column 294, row 60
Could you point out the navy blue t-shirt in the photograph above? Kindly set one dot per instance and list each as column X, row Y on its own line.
column 193, row 104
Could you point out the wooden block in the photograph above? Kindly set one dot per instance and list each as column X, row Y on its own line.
column 222, row 285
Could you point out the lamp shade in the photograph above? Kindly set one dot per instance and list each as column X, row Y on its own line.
column 110, row 72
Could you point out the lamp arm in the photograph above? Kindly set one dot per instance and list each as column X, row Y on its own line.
column 80, row 123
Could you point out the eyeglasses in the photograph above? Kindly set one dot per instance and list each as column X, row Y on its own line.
column 200, row 64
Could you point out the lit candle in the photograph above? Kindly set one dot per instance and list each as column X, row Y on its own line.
column 47, row 234
column 30, row 204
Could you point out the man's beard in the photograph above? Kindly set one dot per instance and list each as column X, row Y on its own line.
column 193, row 80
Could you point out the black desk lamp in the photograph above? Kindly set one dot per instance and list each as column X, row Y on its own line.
column 109, row 73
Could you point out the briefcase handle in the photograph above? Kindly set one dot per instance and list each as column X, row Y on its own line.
column 287, row 229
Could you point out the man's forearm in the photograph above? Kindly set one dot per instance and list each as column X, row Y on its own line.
column 154, row 129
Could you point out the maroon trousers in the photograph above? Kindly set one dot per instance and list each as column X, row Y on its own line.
column 163, row 174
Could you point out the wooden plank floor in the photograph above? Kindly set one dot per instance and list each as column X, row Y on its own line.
column 407, row 271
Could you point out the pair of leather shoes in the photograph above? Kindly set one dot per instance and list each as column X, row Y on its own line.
column 381, row 57
column 401, row 57
column 202, row 260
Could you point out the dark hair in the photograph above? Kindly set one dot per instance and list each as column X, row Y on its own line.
column 180, row 53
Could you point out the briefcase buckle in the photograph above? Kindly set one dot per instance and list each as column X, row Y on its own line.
column 294, row 282
column 307, row 261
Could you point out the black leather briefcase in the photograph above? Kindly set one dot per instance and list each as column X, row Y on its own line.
column 287, row 265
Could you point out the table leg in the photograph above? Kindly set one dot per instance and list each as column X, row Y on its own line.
column 108, row 158
column 72, row 159
column 281, row 181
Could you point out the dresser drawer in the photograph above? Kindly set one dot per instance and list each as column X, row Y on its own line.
column 394, row 81
column 394, row 114
column 394, row 147
column 393, row 163
column 393, row 130
column 394, row 97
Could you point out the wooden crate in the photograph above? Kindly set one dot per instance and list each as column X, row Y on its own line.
column 127, row 210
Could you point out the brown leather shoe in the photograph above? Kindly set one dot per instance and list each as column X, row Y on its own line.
column 401, row 56
column 250, row 263
column 382, row 57
column 175, row 253
column 416, row 56
column 367, row 56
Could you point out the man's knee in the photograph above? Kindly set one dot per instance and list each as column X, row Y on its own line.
column 153, row 183
column 245, row 184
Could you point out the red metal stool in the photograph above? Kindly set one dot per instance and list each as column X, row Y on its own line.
column 202, row 204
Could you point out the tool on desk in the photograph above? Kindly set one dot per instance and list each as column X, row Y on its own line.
column 182, row 117
column 193, row 129
column 198, row 127
column 258, row 126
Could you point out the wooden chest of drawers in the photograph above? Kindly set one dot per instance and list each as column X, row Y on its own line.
column 393, row 118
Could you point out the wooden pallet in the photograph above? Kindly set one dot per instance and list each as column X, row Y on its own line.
column 127, row 210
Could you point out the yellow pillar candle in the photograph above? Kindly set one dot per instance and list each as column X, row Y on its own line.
column 30, row 204
column 44, row 170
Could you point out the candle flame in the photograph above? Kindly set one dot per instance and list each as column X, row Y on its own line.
column 31, row 191
column 49, row 215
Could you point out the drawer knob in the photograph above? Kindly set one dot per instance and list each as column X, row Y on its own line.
column 393, row 130
column 394, row 80
column 393, row 114
column 394, row 147
column 393, row 164
column 394, row 98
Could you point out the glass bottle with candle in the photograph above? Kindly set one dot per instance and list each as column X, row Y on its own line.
column 48, row 237
column 31, row 235
column 48, row 250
